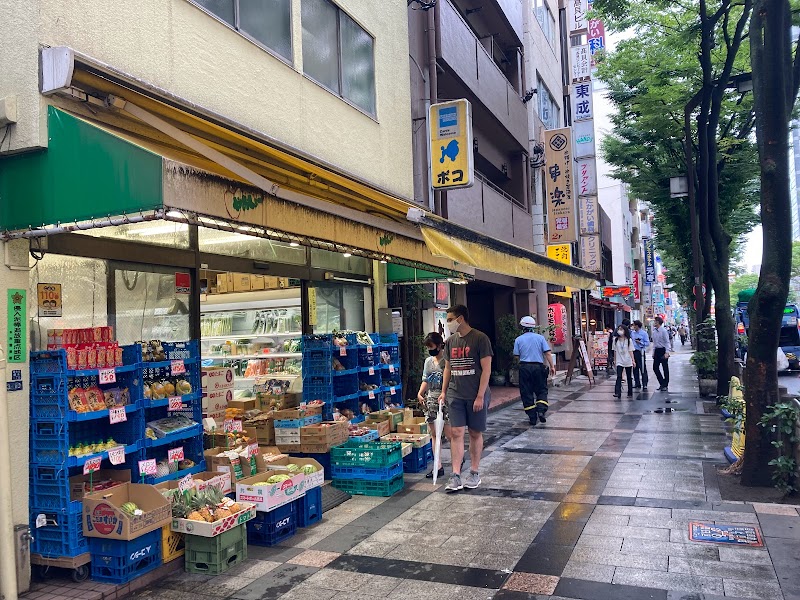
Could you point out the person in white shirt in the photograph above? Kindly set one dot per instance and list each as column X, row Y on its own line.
column 623, row 358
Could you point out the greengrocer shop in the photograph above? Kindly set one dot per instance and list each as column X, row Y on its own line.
column 200, row 316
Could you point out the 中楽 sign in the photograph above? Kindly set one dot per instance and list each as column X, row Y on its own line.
column 561, row 226
column 452, row 158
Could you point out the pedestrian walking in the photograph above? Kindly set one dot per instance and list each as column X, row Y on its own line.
column 465, row 387
column 431, row 388
column 661, row 348
column 623, row 358
column 535, row 363
column 610, row 349
column 682, row 333
column 640, row 343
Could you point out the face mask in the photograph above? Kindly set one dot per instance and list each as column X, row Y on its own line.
column 621, row 331
column 452, row 326
column 433, row 351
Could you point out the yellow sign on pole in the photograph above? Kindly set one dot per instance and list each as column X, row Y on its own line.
column 561, row 217
column 560, row 252
column 451, row 153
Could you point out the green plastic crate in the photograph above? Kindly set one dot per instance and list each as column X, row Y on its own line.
column 215, row 555
column 367, row 454
column 365, row 487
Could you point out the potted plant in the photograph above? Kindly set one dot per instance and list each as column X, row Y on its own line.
column 506, row 330
column 705, row 358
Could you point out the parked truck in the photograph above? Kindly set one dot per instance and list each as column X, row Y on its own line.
column 790, row 329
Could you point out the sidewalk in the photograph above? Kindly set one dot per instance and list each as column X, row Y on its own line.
column 595, row 505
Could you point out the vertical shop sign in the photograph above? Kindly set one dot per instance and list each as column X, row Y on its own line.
column 596, row 38
column 586, row 178
column 584, row 139
column 48, row 297
column 649, row 261
column 312, row 306
column 183, row 283
column 580, row 63
column 591, row 257
column 589, row 215
column 576, row 14
column 582, row 103
column 557, row 318
column 561, row 225
column 560, row 252
column 637, row 296
column 17, row 323
column 452, row 155
column 442, row 297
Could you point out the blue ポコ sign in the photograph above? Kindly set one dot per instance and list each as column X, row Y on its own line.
column 739, row 535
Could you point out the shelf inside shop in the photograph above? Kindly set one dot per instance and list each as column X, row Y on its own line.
column 96, row 372
column 249, row 336
column 268, row 377
column 179, row 474
column 76, row 417
column 79, row 461
column 269, row 355
column 166, row 364
column 190, row 432
column 186, row 399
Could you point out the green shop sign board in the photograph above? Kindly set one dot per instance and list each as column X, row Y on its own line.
column 17, row 323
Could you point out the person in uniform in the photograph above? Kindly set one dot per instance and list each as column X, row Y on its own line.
column 535, row 363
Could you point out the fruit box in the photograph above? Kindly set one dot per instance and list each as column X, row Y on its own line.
column 297, row 413
column 313, row 480
column 103, row 516
column 393, row 415
column 330, row 433
column 202, row 481
column 203, row 529
column 78, row 484
column 383, row 427
column 417, row 440
column 414, row 425
column 238, row 469
column 268, row 496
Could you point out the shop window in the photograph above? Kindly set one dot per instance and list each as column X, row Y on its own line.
column 266, row 22
column 341, row 306
column 549, row 112
column 155, row 233
column 239, row 245
column 336, row 261
column 338, row 53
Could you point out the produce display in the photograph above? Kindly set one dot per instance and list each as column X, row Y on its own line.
column 89, row 448
column 356, row 431
column 130, row 509
column 268, row 366
column 92, row 399
column 158, row 389
column 153, row 351
column 208, row 506
column 363, row 338
column 92, row 348
column 97, row 485
column 163, row 427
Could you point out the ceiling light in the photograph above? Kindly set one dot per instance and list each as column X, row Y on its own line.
column 175, row 214
column 383, row 261
column 294, row 244
column 346, row 254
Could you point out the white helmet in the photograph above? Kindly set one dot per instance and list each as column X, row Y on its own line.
column 527, row 321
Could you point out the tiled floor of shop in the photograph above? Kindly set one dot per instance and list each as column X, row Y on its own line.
column 595, row 505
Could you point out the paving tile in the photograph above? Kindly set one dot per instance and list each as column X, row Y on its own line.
column 713, row 568
column 785, row 555
column 274, row 584
column 314, row 558
column 668, row 581
column 749, row 556
column 578, row 588
column 647, row 533
column 581, row 498
column 662, row 548
column 531, row 583
column 589, row 571
column 498, row 562
column 780, row 526
column 753, row 589
column 544, row 558
column 572, row 511
column 598, row 542
column 560, row 533
column 252, row 569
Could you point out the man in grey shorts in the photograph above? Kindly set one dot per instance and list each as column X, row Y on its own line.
column 465, row 387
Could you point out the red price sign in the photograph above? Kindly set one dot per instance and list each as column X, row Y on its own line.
column 372, row 395
column 231, row 425
column 369, row 349
column 391, row 390
column 92, row 465
column 391, row 368
column 148, row 467
column 175, row 403
column 342, row 351
column 117, row 415
column 185, row 484
column 175, row 454
column 252, row 450
column 117, row 455
column 371, row 371
column 107, row 376
column 177, row 367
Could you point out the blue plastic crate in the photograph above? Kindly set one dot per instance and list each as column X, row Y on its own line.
column 367, row 473
column 387, row 338
column 345, row 385
column 309, row 507
column 50, row 490
column 418, row 459
column 61, row 537
column 311, row 342
column 49, row 362
column 367, row 437
column 273, row 527
column 393, row 355
column 367, row 359
column 295, row 423
column 50, row 384
column 358, row 419
column 119, row 561
column 317, row 362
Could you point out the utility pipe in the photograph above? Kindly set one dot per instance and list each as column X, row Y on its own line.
column 433, row 93
column 8, row 566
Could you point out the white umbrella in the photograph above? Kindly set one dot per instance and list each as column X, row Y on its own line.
column 438, row 426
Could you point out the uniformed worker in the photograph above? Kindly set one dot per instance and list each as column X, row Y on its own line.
column 535, row 362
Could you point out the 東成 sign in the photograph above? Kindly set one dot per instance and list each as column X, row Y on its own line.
column 452, row 158
column 561, row 226
column 580, row 63
column 48, row 297
column 582, row 105
column 591, row 255
column 589, row 211
column 560, row 252
column 17, row 324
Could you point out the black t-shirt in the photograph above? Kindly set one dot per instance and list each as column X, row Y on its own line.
column 464, row 355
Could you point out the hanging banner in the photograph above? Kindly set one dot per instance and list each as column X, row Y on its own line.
column 596, row 37
column 591, row 255
column 582, row 104
column 586, row 177
column 452, row 159
column 576, row 15
column 561, row 225
column 48, row 298
column 557, row 318
column 584, row 139
column 589, row 212
column 580, row 63
column 560, row 252
column 17, row 323
column 637, row 297
column 649, row 260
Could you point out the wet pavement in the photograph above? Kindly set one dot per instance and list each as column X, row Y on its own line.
column 595, row 504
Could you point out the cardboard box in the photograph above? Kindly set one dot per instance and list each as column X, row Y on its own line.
column 238, row 469
column 204, row 529
column 222, row 283
column 297, row 413
column 393, row 415
column 103, row 518
column 241, row 282
column 383, row 427
column 268, row 496
column 225, row 440
column 313, row 480
column 257, row 283
column 265, row 432
column 415, row 425
column 202, row 481
column 417, row 440
column 243, row 404
column 327, row 433
column 78, row 484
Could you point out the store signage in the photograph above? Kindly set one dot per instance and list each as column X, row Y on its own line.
column 148, row 467
column 369, row 349
column 647, row 295
column 582, row 103
column 117, row 414
column 177, row 367
column 92, row 465
column 48, row 297
column 391, row 368
column 584, row 139
column 175, row 454
column 561, row 225
column 619, row 290
column 636, row 287
column 105, row 376
column 217, row 389
column 116, row 456
column 17, row 323
column 185, row 483
column 589, row 211
column 13, row 386
column 442, row 295
column 372, row 371
column 391, row 390
column 576, row 15
column 451, row 150
column 371, row 395
column 342, row 351
column 591, row 256
column 560, row 252
column 231, row 425
column 596, row 38
column 175, row 403
column 557, row 318
column 183, row 283
column 738, row 535
column 586, row 177
column 580, row 63
column 649, row 260
column 252, row 450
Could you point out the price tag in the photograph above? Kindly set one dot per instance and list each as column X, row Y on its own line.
column 371, row 395
column 177, row 367
column 369, row 349
column 185, row 483
column 342, row 351
column 41, row 520
column 391, row 368
column 117, row 415
column 391, row 390
column 92, row 465
column 117, row 455
column 148, row 467
column 175, row 403
column 175, row 454
column 252, row 450
column 107, row 376
column 231, row 425
column 371, row 371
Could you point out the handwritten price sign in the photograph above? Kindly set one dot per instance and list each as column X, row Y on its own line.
column 252, row 450
column 148, row 467
column 369, row 349
column 372, row 371
column 230, row 426
column 185, row 484
column 372, row 395
column 342, row 351
column 117, row 415
column 107, row 376
column 175, row 455
column 175, row 403
column 92, row 465
column 177, row 367
column 391, row 368
column 117, row 455
column 391, row 391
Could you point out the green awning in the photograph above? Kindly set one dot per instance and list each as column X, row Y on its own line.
column 85, row 173
column 402, row 274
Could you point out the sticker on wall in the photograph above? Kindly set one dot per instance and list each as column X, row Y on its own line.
column 48, row 297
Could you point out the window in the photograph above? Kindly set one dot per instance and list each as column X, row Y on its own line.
column 549, row 112
column 266, row 22
column 338, row 53
column 546, row 20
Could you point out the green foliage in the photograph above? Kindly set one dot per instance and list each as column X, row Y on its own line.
column 506, row 331
column 782, row 420
column 735, row 407
column 743, row 282
column 795, row 259
column 705, row 359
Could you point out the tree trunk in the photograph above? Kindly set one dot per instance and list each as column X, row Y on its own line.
column 773, row 89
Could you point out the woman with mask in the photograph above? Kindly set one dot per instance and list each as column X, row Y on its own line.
column 623, row 358
column 431, row 387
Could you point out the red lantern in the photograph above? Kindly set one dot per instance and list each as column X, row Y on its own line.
column 557, row 316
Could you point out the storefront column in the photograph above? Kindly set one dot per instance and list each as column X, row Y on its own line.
column 380, row 293
column 14, row 422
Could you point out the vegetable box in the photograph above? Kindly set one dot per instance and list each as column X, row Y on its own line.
column 268, row 496
column 103, row 516
column 204, row 529
column 313, row 480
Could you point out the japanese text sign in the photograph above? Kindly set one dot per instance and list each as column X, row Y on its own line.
column 17, row 324
column 48, row 297
column 452, row 155
column 148, row 467
column 589, row 211
column 582, row 104
column 586, row 177
column 561, row 226
column 117, row 414
column 177, row 367
column 106, row 376
column 649, row 260
column 636, row 289
column 584, row 139
column 175, row 454
column 596, row 37
column 576, row 15
column 231, row 425
column 116, row 455
column 92, row 465
column 185, row 484
column 619, row 290
column 591, row 255
column 560, row 252
column 580, row 63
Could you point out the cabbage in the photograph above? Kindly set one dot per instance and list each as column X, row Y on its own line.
column 277, row 478
column 292, row 467
column 309, row 469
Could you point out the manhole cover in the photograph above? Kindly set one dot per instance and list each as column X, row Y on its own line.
column 738, row 535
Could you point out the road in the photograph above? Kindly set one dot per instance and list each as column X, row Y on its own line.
column 791, row 380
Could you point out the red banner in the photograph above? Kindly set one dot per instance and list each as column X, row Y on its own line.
column 557, row 316
column 636, row 293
